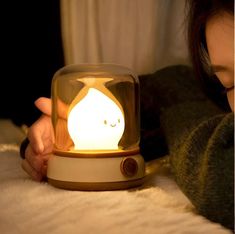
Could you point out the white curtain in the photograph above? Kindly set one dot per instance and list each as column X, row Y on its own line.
column 144, row 35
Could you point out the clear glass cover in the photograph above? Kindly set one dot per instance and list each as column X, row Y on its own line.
column 95, row 107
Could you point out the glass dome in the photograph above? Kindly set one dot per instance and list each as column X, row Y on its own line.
column 95, row 108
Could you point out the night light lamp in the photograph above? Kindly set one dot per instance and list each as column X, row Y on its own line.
column 96, row 122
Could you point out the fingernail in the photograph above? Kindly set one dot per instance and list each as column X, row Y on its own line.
column 39, row 149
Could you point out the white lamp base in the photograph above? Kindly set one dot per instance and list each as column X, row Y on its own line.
column 96, row 173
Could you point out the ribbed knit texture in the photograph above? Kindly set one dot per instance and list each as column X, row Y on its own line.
column 200, row 141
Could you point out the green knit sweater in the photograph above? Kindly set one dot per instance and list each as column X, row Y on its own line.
column 198, row 136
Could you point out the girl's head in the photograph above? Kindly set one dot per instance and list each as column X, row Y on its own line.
column 211, row 45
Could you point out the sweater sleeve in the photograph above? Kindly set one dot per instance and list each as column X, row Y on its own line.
column 200, row 142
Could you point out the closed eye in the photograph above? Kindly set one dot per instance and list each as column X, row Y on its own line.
column 229, row 89
column 218, row 68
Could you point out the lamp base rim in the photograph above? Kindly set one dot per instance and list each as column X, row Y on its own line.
column 100, row 186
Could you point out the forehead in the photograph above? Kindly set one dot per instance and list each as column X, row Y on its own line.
column 220, row 37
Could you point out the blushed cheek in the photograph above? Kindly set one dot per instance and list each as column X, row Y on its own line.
column 230, row 96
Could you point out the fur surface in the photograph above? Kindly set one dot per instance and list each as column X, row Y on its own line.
column 31, row 207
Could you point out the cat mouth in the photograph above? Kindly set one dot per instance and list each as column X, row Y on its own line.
column 113, row 125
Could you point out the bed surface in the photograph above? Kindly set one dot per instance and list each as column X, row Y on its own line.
column 158, row 206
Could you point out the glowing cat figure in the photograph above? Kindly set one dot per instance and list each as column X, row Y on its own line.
column 96, row 122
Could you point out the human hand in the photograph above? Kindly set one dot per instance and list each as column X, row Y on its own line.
column 41, row 139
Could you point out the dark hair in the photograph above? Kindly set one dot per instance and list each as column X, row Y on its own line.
column 198, row 13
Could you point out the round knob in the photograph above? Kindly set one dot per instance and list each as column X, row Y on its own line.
column 129, row 167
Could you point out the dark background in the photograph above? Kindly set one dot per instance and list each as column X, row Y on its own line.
column 31, row 52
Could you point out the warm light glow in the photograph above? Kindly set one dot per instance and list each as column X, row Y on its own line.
column 96, row 122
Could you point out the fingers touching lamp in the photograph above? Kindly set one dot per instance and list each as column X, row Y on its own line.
column 96, row 122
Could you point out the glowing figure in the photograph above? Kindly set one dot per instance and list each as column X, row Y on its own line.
column 96, row 122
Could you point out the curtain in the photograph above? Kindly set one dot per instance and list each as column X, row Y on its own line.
column 144, row 35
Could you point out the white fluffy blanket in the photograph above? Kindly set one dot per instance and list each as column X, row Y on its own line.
column 30, row 207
